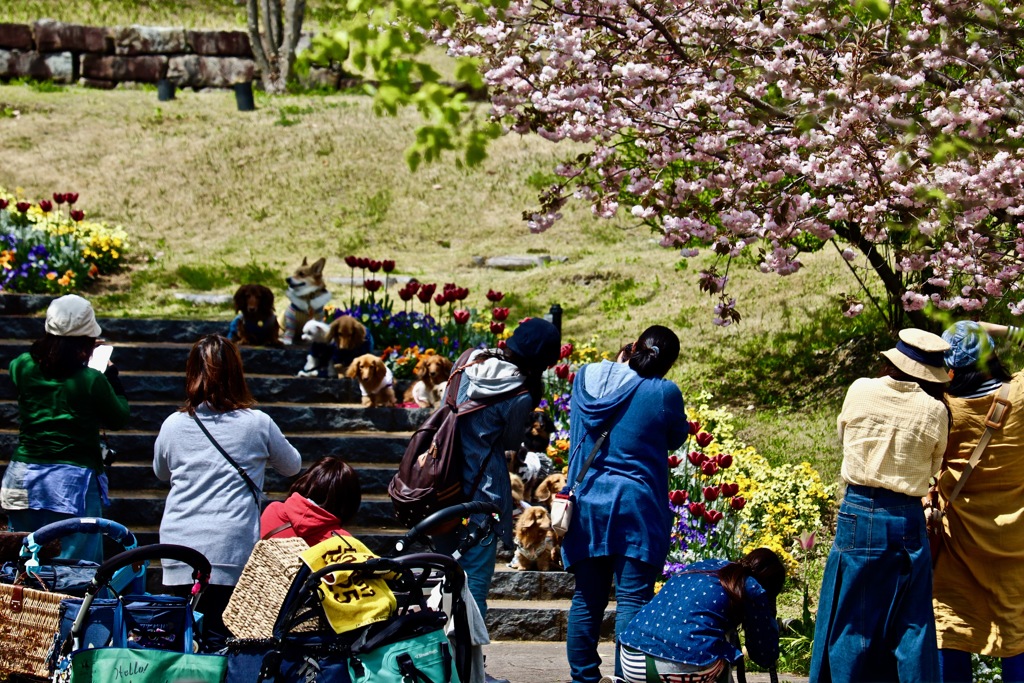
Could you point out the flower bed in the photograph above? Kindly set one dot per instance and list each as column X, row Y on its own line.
column 48, row 247
column 729, row 500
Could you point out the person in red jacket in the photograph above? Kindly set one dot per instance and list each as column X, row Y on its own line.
column 323, row 499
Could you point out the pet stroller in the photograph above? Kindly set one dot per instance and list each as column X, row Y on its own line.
column 410, row 645
column 139, row 636
column 32, row 590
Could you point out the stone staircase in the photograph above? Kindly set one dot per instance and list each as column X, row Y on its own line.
column 319, row 417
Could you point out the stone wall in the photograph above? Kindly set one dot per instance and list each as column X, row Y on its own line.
column 102, row 57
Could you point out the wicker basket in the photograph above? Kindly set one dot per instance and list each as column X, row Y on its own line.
column 29, row 620
column 262, row 587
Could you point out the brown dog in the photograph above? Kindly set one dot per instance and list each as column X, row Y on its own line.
column 432, row 373
column 256, row 323
column 348, row 336
column 547, row 489
column 375, row 380
column 535, row 543
column 307, row 295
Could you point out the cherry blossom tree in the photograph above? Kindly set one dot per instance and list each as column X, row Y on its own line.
column 890, row 132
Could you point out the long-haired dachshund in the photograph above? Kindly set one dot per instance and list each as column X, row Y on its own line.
column 375, row 380
column 256, row 323
column 432, row 373
column 536, row 547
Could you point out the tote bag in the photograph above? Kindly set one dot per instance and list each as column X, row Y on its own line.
column 130, row 665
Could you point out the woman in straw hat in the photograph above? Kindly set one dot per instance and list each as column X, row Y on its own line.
column 57, row 473
column 979, row 568
column 875, row 620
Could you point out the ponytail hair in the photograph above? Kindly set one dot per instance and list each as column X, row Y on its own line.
column 764, row 566
column 655, row 352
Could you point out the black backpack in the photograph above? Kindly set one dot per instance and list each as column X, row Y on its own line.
column 429, row 476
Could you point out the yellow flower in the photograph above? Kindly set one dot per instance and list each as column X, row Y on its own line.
column 51, row 275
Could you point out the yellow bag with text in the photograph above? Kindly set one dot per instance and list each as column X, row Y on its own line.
column 350, row 599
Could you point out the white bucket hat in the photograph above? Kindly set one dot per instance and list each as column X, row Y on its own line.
column 71, row 316
column 920, row 354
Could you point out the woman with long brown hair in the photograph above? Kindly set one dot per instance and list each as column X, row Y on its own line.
column 212, row 506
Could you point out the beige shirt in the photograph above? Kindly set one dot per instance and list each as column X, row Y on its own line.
column 893, row 435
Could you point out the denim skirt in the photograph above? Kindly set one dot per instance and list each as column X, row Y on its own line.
column 875, row 619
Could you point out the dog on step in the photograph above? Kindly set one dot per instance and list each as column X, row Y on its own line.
column 536, row 547
column 375, row 380
column 307, row 295
column 333, row 347
column 432, row 373
column 256, row 323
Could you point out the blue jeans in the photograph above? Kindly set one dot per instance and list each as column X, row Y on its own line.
column 875, row 620
column 956, row 667
column 87, row 547
column 634, row 588
column 478, row 562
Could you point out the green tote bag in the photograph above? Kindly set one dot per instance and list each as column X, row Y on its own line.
column 124, row 665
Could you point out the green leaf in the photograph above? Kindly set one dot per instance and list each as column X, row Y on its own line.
column 876, row 9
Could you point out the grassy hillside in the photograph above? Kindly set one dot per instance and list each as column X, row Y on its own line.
column 213, row 197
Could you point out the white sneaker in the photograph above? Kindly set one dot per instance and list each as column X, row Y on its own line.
column 612, row 679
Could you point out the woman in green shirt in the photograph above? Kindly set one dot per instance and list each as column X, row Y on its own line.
column 56, row 472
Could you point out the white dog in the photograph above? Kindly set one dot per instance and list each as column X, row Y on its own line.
column 320, row 358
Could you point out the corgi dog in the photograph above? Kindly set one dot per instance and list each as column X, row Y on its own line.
column 307, row 295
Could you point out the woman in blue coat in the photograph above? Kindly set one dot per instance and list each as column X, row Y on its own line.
column 621, row 527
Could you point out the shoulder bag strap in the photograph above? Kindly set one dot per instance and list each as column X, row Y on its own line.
column 275, row 532
column 994, row 420
column 253, row 489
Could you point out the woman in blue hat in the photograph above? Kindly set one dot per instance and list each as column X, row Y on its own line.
column 875, row 620
column 979, row 566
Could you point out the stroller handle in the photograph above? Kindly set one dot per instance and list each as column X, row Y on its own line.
column 447, row 514
column 34, row 542
column 160, row 551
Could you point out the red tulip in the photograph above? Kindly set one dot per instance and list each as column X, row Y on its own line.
column 77, row 215
column 45, row 205
column 429, row 289
column 713, row 516
column 709, row 467
column 440, row 299
column 424, row 296
column 461, row 316
column 22, row 206
column 3, row 204
column 71, row 197
column 711, row 493
column 694, row 426
column 677, row 497
column 696, row 458
column 571, row 377
column 59, row 198
column 562, row 371
column 413, row 285
column 496, row 327
column 724, row 460
column 730, row 490
column 351, row 261
column 696, row 509
column 499, row 313
column 704, row 439
column 674, row 460
column 449, row 286
column 565, row 352
column 502, row 344
column 461, row 293
column 405, row 294
column 388, row 265
column 494, row 296
column 373, row 285
column 738, row 503
column 373, row 266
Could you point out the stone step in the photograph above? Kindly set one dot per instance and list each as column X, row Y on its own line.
column 354, row 447
column 152, row 386
column 30, row 328
column 290, row 417
column 145, row 507
column 541, row 620
column 170, row 357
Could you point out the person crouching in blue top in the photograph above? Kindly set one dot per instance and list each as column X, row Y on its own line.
column 622, row 522
column 685, row 629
